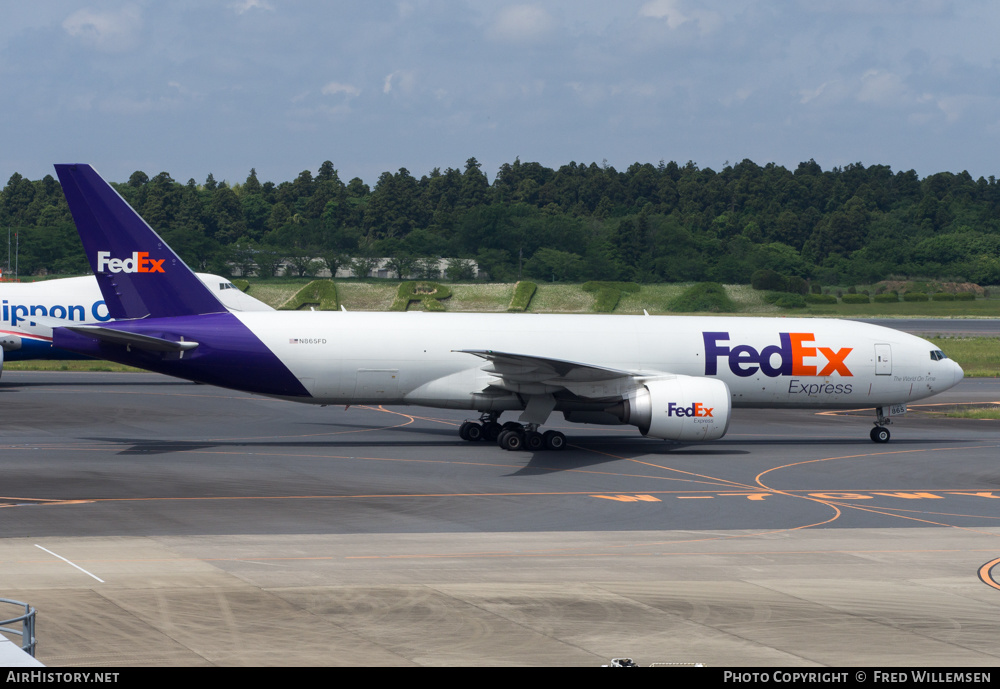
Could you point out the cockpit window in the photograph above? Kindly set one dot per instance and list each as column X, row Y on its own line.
column 226, row 285
column 938, row 355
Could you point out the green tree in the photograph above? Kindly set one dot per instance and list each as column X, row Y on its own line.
column 460, row 269
column 227, row 215
column 401, row 263
column 554, row 265
column 252, row 185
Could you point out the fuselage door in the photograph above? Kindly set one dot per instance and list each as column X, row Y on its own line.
column 883, row 360
column 376, row 384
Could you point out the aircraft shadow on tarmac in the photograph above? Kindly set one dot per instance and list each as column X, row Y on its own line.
column 579, row 456
column 576, row 455
column 606, row 446
column 595, row 449
column 13, row 386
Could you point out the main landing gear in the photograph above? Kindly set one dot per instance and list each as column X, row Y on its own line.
column 880, row 434
column 511, row 435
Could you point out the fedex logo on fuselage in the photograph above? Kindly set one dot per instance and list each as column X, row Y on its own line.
column 796, row 356
column 140, row 262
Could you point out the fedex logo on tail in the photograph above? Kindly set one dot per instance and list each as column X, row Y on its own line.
column 796, row 356
column 140, row 262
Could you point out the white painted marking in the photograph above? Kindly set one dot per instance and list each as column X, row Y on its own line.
column 70, row 563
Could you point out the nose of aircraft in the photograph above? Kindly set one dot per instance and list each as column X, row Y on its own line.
column 957, row 372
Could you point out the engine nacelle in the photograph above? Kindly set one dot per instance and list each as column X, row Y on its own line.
column 9, row 342
column 680, row 408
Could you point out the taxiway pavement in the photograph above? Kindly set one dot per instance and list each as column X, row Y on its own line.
column 157, row 522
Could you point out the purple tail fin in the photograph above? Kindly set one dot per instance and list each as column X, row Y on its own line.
column 140, row 276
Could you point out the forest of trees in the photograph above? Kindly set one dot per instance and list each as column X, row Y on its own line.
column 649, row 223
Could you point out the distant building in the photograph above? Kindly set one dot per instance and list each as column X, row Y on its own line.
column 380, row 269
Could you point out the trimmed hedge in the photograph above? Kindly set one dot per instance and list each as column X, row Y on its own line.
column 886, row 298
column 523, row 292
column 705, row 296
column 767, row 279
column 915, row 296
column 785, row 300
column 429, row 294
column 608, row 293
column 943, row 296
column 797, row 285
column 241, row 284
column 820, row 299
column 965, row 296
column 318, row 293
column 855, row 299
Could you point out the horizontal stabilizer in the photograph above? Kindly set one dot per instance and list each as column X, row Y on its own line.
column 134, row 340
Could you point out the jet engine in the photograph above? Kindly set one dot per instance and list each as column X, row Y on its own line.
column 679, row 408
column 8, row 343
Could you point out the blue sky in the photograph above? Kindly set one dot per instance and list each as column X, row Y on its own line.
column 198, row 86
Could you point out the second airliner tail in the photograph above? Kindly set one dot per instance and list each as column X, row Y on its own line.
column 139, row 275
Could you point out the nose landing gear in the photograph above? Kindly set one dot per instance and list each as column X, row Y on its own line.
column 880, row 434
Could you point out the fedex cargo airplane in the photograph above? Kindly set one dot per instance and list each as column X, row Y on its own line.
column 672, row 377
column 76, row 300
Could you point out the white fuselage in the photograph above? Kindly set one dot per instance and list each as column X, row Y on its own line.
column 410, row 358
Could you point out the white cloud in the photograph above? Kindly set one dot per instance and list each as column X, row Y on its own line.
column 335, row 87
column 674, row 14
column 119, row 104
column 901, row 8
column 954, row 107
column 589, row 94
column 827, row 93
column 111, row 32
column 243, row 6
column 881, row 88
column 738, row 96
column 403, row 80
column 667, row 10
column 521, row 23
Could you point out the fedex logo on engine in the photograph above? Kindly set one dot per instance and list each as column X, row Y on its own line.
column 695, row 410
column 140, row 262
column 796, row 356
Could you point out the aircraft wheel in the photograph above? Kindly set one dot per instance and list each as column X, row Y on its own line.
column 534, row 441
column 474, row 432
column 491, row 431
column 511, row 440
column 554, row 440
column 880, row 434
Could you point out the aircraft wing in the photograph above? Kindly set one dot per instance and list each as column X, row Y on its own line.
column 528, row 374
